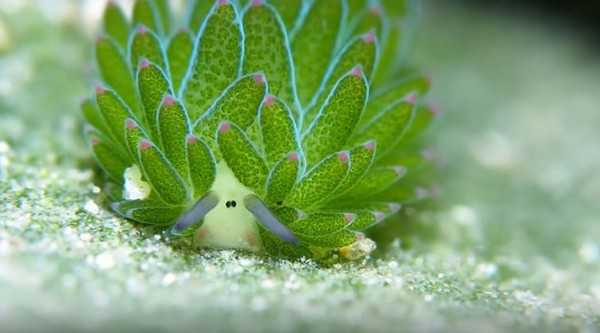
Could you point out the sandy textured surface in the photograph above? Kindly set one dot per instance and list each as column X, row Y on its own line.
column 514, row 245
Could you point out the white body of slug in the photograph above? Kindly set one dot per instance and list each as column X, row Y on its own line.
column 229, row 227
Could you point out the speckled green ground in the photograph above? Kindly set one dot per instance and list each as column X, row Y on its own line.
column 514, row 245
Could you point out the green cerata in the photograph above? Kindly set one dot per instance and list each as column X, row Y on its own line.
column 285, row 127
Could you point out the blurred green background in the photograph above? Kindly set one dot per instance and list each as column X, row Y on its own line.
column 512, row 243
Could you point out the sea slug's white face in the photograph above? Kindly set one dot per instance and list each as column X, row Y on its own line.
column 229, row 224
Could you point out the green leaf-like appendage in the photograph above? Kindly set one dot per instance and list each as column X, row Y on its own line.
column 201, row 164
column 216, row 59
column 146, row 13
column 239, row 153
column 152, row 85
column 179, row 53
column 238, row 103
column 92, row 115
column 112, row 163
column 154, row 215
column 164, row 14
column 115, row 69
column 147, row 211
column 362, row 51
column 288, row 10
column 161, row 174
column 324, row 178
column 320, row 224
column 133, row 134
column 284, row 126
column 115, row 24
column 336, row 240
column 375, row 181
column 113, row 111
column 389, row 125
column 266, row 49
column 337, row 120
column 146, row 45
column 313, row 46
column 198, row 10
column 361, row 159
column 173, row 128
column 282, row 178
column 394, row 93
column 278, row 130
column 372, row 19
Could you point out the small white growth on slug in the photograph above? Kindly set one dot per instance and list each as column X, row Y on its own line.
column 135, row 188
column 229, row 227
column 360, row 249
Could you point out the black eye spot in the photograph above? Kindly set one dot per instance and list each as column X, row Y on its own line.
column 233, row 203
column 228, row 204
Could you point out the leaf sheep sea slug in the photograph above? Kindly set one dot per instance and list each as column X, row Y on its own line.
column 280, row 126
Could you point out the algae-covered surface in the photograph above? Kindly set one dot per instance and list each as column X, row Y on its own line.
column 513, row 243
